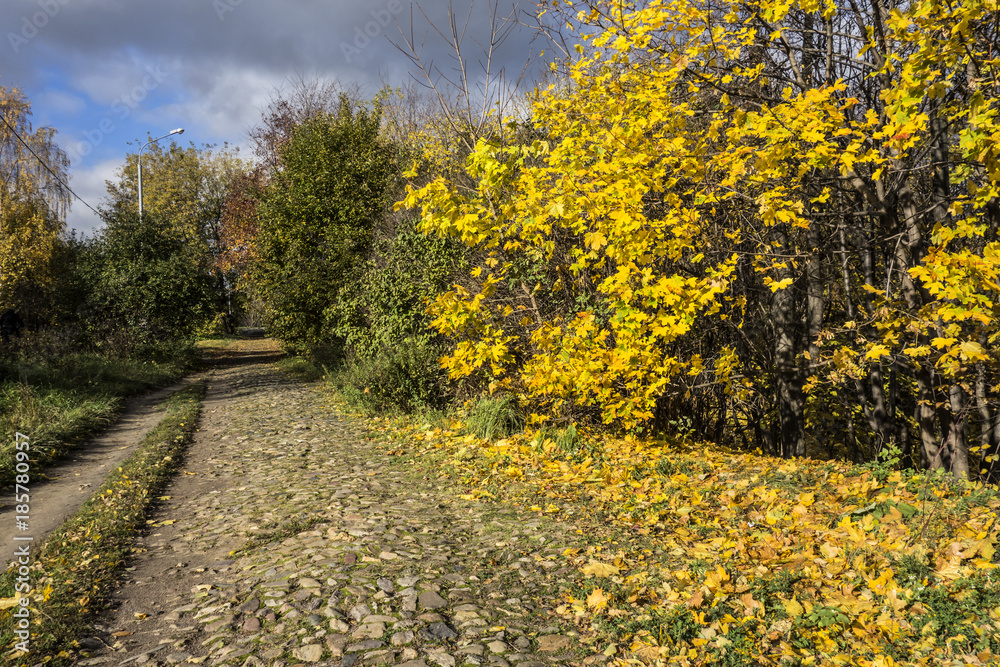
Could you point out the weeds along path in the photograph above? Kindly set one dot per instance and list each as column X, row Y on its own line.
column 68, row 484
column 288, row 538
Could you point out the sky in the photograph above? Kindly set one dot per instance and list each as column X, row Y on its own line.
column 110, row 74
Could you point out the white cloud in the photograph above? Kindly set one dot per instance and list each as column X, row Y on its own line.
column 88, row 183
column 60, row 102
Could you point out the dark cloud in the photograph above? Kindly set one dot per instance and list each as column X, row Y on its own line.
column 276, row 37
column 107, row 72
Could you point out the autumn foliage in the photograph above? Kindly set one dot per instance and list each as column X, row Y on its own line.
column 33, row 203
column 775, row 218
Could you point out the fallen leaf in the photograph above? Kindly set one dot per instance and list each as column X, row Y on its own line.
column 696, row 600
column 7, row 603
column 599, row 569
column 597, row 600
column 792, row 607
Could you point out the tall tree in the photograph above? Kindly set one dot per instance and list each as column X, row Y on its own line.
column 34, row 200
column 147, row 282
column 316, row 217
column 185, row 187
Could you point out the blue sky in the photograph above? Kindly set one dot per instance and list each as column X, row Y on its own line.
column 109, row 73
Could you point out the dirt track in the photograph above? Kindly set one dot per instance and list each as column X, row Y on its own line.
column 73, row 480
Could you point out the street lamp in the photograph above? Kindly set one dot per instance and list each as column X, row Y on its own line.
column 138, row 159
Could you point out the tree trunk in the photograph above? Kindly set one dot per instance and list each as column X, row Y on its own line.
column 786, row 372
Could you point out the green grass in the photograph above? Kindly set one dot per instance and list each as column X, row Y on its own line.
column 75, row 570
column 60, row 401
column 304, row 369
column 493, row 417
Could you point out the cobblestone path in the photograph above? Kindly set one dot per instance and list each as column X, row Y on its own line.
column 289, row 539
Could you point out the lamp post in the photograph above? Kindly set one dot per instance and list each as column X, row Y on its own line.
column 138, row 160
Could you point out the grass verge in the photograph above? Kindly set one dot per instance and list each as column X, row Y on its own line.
column 75, row 570
column 60, row 401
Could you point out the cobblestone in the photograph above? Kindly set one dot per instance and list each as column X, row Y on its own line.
column 295, row 541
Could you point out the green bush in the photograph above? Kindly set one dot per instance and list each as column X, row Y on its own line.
column 406, row 378
column 316, row 219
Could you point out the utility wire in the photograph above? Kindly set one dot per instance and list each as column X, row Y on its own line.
column 47, row 168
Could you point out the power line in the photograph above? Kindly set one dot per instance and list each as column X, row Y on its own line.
column 47, row 168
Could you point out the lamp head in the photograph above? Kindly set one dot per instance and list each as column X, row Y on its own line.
column 179, row 130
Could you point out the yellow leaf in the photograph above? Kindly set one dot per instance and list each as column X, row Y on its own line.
column 599, row 569
column 792, row 607
column 877, row 352
column 7, row 603
column 941, row 343
column 597, row 600
column 780, row 284
column 974, row 351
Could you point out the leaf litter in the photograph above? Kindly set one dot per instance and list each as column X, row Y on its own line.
column 716, row 557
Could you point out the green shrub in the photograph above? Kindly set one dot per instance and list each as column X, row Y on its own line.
column 406, row 378
column 493, row 417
